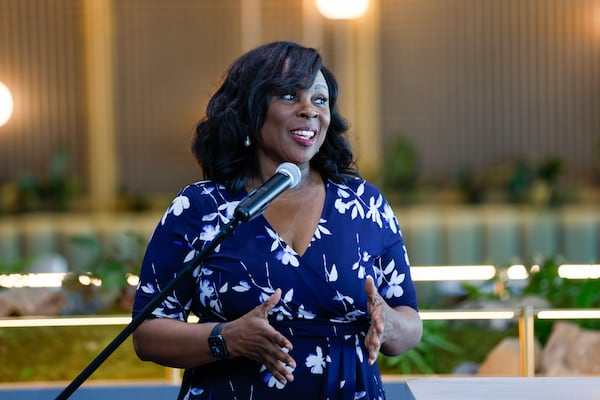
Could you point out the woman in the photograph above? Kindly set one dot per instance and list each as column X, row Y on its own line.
column 299, row 301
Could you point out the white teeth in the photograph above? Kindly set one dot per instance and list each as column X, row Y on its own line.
column 304, row 134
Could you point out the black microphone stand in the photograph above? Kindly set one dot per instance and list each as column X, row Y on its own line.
column 226, row 231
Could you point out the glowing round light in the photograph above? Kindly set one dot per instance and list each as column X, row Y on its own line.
column 6, row 104
column 342, row 9
column 517, row 272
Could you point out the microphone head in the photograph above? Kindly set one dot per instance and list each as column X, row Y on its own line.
column 291, row 170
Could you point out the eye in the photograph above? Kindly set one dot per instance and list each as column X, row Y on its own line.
column 289, row 96
column 321, row 100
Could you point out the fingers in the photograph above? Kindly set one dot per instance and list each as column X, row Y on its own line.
column 279, row 362
column 373, row 344
column 281, row 369
column 258, row 340
column 373, row 339
column 374, row 303
column 370, row 287
column 271, row 302
column 265, row 308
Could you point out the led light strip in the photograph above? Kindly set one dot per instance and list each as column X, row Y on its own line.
column 66, row 321
column 453, row 273
column 468, row 314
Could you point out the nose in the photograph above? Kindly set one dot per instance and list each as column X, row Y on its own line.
column 308, row 111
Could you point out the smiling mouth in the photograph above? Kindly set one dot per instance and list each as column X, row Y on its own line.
column 304, row 134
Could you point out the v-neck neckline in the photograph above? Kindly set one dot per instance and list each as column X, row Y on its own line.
column 268, row 224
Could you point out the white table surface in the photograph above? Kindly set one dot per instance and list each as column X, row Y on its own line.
column 484, row 388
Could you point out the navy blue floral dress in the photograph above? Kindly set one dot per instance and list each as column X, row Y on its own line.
column 323, row 308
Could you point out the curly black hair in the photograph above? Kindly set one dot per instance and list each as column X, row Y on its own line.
column 238, row 108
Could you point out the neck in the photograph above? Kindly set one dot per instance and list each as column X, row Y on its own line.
column 308, row 177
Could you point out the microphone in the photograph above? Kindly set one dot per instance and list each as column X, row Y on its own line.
column 286, row 176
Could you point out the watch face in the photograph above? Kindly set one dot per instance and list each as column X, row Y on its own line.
column 217, row 346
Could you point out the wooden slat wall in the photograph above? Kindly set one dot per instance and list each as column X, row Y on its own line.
column 476, row 82
column 483, row 82
column 171, row 55
column 41, row 63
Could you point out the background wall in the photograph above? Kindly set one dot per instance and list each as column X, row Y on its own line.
column 41, row 61
column 479, row 83
column 470, row 82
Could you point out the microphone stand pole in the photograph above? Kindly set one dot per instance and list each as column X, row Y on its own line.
column 227, row 230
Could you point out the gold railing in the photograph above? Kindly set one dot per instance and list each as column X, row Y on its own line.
column 526, row 317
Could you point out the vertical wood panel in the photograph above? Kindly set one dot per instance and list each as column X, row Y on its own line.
column 40, row 61
column 525, row 82
column 170, row 57
column 476, row 82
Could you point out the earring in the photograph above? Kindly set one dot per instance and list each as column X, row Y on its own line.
column 247, row 141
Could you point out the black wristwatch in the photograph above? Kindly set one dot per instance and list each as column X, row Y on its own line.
column 217, row 343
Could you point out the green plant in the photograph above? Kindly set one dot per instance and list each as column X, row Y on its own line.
column 54, row 192
column 401, row 171
column 111, row 263
column 422, row 359
column 562, row 293
column 12, row 267
column 535, row 182
column 545, row 282
column 472, row 186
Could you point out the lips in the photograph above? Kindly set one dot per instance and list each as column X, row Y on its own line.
column 304, row 136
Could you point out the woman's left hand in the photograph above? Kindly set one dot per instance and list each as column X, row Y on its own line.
column 393, row 330
column 376, row 307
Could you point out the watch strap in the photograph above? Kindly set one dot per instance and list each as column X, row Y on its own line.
column 216, row 330
column 216, row 342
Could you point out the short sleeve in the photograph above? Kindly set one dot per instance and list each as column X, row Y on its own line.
column 170, row 247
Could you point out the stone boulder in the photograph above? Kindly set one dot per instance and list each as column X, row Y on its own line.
column 571, row 351
column 504, row 359
column 20, row 302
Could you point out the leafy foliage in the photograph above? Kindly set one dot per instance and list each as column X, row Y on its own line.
column 110, row 263
column 422, row 359
column 562, row 293
column 53, row 192
column 402, row 168
column 535, row 182
column 472, row 185
column 545, row 282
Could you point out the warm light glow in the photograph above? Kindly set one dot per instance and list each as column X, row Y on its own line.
column 32, row 280
column 579, row 271
column 63, row 321
column 342, row 9
column 53, row 279
column 453, row 273
column 132, row 280
column 467, row 314
column 517, row 272
column 6, row 104
column 86, row 280
column 569, row 314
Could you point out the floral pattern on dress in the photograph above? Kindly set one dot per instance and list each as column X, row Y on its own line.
column 323, row 307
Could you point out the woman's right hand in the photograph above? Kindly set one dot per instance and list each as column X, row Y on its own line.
column 252, row 336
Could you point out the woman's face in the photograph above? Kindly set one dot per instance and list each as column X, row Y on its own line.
column 295, row 125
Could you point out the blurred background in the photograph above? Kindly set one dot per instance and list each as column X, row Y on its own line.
column 472, row 85
column 480, row 120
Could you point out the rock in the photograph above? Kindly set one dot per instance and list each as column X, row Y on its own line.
column 38, row 301
column 504, row 359
column 17, row 302
column 571, row 351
